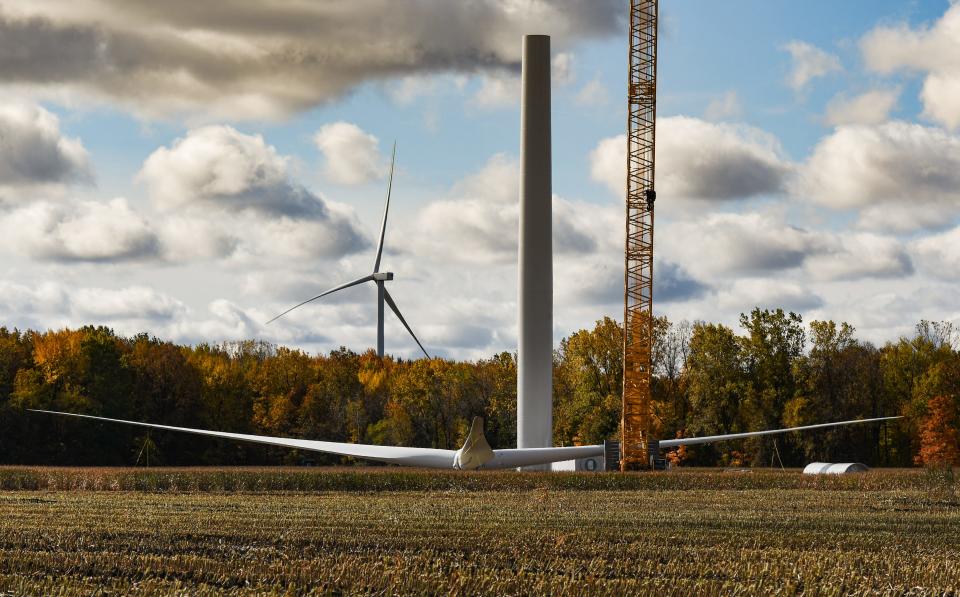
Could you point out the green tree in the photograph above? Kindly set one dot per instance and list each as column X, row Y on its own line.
column 716, row 384
column 839, row 379
column 280, row 381
column 323, row 413
column 671, row 401
column 496, row 386
column 226, row 403
column 588, row 384
column 775, row 340
column 167, row 389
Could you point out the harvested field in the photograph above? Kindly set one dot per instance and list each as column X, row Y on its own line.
column 389, row 531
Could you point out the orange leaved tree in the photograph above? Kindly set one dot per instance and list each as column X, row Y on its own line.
column 939, row 438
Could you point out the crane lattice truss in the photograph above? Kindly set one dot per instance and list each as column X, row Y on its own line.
column 636, row 447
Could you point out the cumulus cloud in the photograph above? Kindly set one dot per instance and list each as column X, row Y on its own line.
column 939, row 254
column 931, row 49
column 582, row 228
column 352, row 155
column 608, row 164
column 597, row 281
column 562, row 72
column 218, row 166
column 187, row 238
column 268, row 61
column 134, row 302
column 471, row 229
column 502, row 88
column 479, row 222
column 220, row 193
column 52, row 304
column 410, row 88
column 901, row 176
column 294, row 284
column 242, row 179
column 250, row 240
column 737, row 243
column 130, row 310
column 754, row 244
column 497, row 90
column 872, row 107
column 941, row 95
column 231, row 322
column 747, row 293
column 701, row 160
column 461, row 335
column 593, row 93
column 33, row 151
column 80, row 231
column 724, row 107
column 809, row 62
column 671, row 283
column 45, row 297
column 856, row 256
column 308, row 239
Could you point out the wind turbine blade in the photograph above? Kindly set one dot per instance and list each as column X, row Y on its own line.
column 426, row 457
column 393, row 305
column 692, row 441
column 323, row 294
column 386, row 208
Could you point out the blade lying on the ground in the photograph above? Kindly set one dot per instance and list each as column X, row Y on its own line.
column 516, row 457
column 323, row 294
column 393, row 305
column 386, row 208
column 427, row 457
column 709, row 439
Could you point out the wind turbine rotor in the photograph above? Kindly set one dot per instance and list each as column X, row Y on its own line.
column 376, row 277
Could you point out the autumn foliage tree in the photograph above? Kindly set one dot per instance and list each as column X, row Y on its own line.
column 707, row 379
column 939, row 437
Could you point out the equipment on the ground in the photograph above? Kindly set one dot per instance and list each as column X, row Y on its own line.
column 840, row 468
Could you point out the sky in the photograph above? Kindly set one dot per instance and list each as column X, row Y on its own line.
column 190, row 170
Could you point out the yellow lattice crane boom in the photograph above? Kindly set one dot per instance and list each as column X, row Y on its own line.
column 637, row 448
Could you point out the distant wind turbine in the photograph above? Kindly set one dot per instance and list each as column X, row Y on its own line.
column 378, row 277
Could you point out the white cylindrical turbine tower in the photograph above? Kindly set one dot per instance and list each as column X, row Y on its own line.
column 535, row 263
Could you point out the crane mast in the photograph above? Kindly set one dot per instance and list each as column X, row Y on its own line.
column 637, row 447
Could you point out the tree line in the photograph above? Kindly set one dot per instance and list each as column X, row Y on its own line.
column 773, row 371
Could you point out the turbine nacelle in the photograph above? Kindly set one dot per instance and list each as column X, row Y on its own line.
column 382, row 276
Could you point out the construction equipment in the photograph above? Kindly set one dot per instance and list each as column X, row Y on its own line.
column 637, row 448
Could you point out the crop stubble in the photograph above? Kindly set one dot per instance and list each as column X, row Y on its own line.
column 836, row 538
